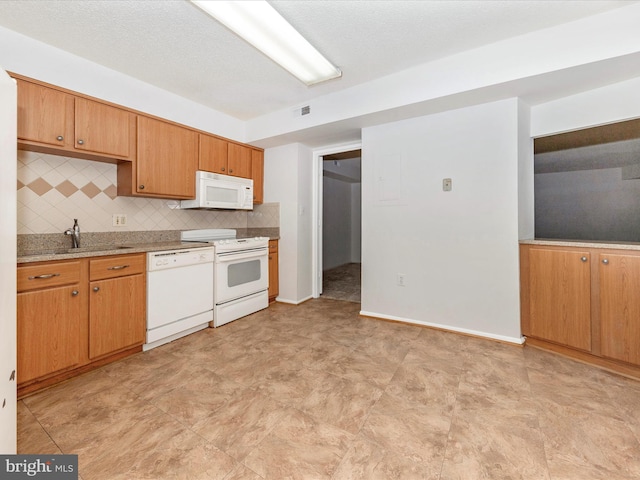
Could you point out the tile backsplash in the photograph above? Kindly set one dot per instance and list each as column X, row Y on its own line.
column 53, row 190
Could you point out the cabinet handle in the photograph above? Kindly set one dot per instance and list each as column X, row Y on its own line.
column 74, row 293
column 141, row 187
column 231, row 170
column 605, row 261
column 44, row 276
column 60, row 138
column 270, row 257
column 96, row 289
column 222, row 169
column 80, row 142
column 584, row 259
column 118, row 267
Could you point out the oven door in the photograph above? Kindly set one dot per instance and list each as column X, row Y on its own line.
column 240, row 273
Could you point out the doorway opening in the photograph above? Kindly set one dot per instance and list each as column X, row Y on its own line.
column 339, row 212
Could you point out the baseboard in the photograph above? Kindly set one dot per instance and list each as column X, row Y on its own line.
column 448, row 328
column 293, row 302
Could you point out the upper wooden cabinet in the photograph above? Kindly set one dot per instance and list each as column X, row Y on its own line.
column 221, row 156
column 257, row 173
column 166, row 163
column 104, row 129
column 239, row 160
column 45, row 115
column 155, row 158
column 213, row 154
column 51, row 120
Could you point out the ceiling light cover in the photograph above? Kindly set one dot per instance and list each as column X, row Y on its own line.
column 259, row 24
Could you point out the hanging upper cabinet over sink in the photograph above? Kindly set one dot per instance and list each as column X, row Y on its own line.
column 53, row 121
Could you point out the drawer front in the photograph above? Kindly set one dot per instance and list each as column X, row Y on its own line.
column 273, row 246
column 52, row 274
column 117, row 266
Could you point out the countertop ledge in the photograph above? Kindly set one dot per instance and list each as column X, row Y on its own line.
column 123, row 249
column 56, row 246
column 582, row 243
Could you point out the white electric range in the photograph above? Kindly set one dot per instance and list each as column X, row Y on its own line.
column 241, row 272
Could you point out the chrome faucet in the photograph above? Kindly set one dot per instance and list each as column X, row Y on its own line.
column 75, row 233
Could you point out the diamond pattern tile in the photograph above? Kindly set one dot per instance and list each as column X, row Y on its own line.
column 53, row 189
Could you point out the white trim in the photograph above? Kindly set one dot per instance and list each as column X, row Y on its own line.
column 515, row 340
column 316, row 207
column 293, row 302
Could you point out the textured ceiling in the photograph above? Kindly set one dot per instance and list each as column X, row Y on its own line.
column 175, row 46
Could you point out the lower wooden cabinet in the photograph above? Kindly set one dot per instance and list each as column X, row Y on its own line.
column 560, row 297
column 619, row 290
column 273, row 270
column 49, row 330
column 116, row 304
column 583, row 302
column 75, row 315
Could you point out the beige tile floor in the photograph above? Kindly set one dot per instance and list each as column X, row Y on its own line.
column 318, row 392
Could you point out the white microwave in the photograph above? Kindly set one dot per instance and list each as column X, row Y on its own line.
column 221, row 191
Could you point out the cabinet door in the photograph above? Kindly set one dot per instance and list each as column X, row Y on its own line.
column 213, row 154
column 257, row 173
column 45, row 115
column 273, row 269
column 49, row 325
column 104, row 129
column 167, row 159
column 116, row 314
column 239, row 160
column 560, row 297
column 620, row 306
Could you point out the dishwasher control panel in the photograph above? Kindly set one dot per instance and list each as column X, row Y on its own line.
column 179, row 258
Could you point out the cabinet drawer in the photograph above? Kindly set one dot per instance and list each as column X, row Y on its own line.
column 117, row 266
column 273, row 246
column 52, row 274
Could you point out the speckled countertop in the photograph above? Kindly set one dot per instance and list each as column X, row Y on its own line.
column 582, row 243
column 55, row 246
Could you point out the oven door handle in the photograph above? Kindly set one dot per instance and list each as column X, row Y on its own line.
column 233, row 256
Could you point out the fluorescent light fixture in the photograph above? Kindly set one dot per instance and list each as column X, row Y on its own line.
column 259, row 24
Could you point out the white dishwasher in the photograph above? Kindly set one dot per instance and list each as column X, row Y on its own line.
column 179, row 294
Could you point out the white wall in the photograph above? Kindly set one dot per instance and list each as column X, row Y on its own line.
column 8, row 175
column 25, row 56
column 287, row 180
column 336, row 222
column 458, row 250
column 613, row 103
column 356, row 222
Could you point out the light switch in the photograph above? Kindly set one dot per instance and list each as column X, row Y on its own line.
column 446, row 184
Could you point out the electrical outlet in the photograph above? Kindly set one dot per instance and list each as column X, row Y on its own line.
column 119, row 219
column 400, row 280
column 446, row 184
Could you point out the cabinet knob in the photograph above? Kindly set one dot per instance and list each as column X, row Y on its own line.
column 584, row 259
column 141, row 187
column 231, row 170
column 60, row 138
column 222, row 169
column 74, row 293
column 80, row 142
column 96, row 289
column 605, row 261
